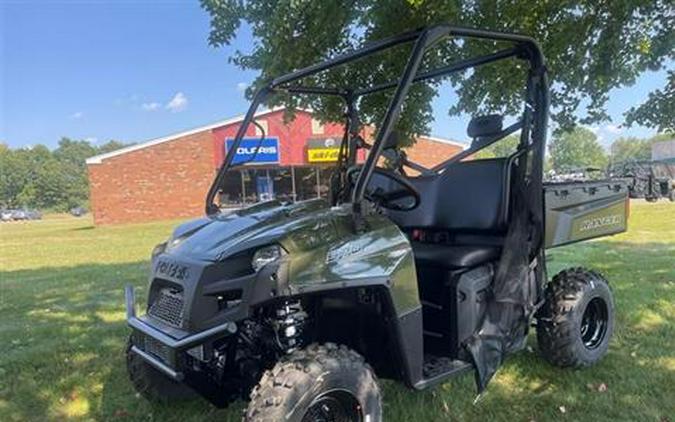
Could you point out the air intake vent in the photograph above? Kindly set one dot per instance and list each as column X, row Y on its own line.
column 168, row 307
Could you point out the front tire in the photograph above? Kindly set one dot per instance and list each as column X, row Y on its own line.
column 576, row 321
column 152, row 384
column 321, row 382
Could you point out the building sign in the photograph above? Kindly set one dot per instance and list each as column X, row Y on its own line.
column 323, row 150
column 255, row 151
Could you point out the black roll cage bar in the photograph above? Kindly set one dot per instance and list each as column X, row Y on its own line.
column 524, row 48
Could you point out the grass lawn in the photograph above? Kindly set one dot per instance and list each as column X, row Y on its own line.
column 62, row 333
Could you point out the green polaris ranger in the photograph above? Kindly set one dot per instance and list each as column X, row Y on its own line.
column 405, row 272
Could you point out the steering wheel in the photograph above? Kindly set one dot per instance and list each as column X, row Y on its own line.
column 391, row 199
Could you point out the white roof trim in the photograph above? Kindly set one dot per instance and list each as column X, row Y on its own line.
column 445, row 141
column 98, row 159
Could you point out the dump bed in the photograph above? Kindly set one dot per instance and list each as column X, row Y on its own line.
column 577, row 211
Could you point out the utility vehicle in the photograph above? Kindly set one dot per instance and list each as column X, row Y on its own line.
column 405, row 272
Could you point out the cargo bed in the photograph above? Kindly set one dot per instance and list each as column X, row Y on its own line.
column 577, row 211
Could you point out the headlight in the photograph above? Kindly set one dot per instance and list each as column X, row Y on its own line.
column 158, row 249
column 266, row 255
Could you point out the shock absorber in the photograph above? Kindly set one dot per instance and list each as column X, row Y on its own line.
column 289, row 325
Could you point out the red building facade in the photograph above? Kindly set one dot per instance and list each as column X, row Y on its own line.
column 168, row 177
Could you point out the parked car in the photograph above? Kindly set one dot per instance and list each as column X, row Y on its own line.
column 78, row 211
column 6, row 215
column 19, row 214
column 33, row 215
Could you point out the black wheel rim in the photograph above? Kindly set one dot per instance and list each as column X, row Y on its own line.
column 594, row 323
column 334, row 406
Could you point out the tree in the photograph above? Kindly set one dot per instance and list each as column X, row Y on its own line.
column 38, row 177
column 592, row 47
column 629, row 149
column 658, row 110
column 575, row 149
column 503, row 148
column 635, row 149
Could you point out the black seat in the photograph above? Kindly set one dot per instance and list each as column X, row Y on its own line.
column 468, row 206
column 453, row 256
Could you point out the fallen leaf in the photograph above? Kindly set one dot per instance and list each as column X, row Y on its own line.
column 121, row 413
column 446, row 409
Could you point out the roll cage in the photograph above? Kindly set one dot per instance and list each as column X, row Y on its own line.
column 532, row 125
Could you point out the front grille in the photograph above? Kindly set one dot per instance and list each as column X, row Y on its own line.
column 168, row 307
column 157, row 348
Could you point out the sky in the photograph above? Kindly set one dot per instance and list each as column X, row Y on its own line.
column 132, row 71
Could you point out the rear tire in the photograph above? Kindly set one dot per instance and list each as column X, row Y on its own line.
column 152, row 384
column 321, row 382
column 576, row 321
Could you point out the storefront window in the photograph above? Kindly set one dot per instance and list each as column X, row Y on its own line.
column 282, row 181
column 305, row 182
column 250, row 185
column 231, row 192
column 324, row 181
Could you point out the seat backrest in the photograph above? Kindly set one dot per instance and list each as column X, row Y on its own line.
column 470, row 196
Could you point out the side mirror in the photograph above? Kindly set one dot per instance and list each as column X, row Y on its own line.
column 391, row 141
column 485, row 126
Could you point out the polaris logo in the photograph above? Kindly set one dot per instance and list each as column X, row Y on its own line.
column 342, row 252
column 254, row 150
column 599, row 222
column 172, row 270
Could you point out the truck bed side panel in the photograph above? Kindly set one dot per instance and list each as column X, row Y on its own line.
column 577, row 211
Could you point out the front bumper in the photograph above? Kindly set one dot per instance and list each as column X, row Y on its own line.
column 171, row 343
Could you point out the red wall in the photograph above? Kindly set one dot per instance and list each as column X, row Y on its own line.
column 170, row 179
column 292, row 136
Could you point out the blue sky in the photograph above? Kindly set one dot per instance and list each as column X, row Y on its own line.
column 132, row 71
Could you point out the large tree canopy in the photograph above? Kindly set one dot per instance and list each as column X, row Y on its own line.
column 591, row 47
column 576, row 149
column 38, row 177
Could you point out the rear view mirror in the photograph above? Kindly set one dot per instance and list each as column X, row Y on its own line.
column 391, row 141
column 485, row 126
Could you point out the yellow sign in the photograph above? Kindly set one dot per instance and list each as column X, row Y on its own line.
column 322, row 155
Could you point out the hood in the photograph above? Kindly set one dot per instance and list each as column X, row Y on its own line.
column 216, row 237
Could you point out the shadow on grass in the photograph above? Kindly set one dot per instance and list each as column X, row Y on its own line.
column 64, row 335
column 84, row 228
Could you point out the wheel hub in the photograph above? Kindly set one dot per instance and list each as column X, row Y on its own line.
column 594, row 323
column 333, row 406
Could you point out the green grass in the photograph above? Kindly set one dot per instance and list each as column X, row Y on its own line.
column 62, row 333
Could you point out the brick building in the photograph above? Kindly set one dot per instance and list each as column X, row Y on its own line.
column 168, row 177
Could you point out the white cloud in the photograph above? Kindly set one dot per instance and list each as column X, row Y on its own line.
column 77, row 115
column 152, row 106
column 241, row 86
column 613, row 129
column 178, row 103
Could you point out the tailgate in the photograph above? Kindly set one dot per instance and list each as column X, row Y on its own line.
column 577, row 211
